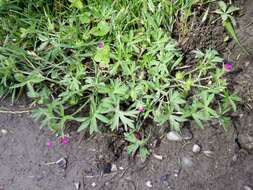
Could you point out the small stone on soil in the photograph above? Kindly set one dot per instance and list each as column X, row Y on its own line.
column 208, row 153
column 149, row 184
column 158, row 157
column 174, row 136
column 246, row 187
column 77, row 185
column 246, row 141
column 196, row 148
column 187, row 134
column 62, row 163
column 93, row 184
column 186, row 162
column 121, row 168
column 114, row 168
column 4, row 131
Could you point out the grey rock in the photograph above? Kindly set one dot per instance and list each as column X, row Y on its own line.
column 196, row 148
column 62, row 163
column 246, row 187
column 246, row 141
column 174, row 136
column 186, row 162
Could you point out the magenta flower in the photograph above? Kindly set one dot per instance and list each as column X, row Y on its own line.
column 101, row 44
column 228, row 66
column 64, row 140
column 50, row 144
column 138, row 135
column 141, row 109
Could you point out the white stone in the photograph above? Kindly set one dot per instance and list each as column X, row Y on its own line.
column 196, row 148
column 4, row 131
column 246, row 187
column 174, row 136
column 158, row 157
column 114, row 168
column 149, row 184
column 77, row 185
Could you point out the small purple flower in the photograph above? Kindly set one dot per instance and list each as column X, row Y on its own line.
column 141, row 109
column 101, row 44
column 64, row 140
column 50, row 144
column 228, row 66
column 138, row 135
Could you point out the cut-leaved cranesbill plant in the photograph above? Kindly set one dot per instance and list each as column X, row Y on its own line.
column 110, row 66
column 226, row 13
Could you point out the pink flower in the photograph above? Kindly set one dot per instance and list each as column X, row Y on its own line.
column 228, row 66
column 50, row 144
column 64, row 140
column 141, row 109
column 138, row 135
column 101, row 44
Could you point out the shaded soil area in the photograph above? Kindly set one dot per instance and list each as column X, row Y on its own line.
column 101, row 162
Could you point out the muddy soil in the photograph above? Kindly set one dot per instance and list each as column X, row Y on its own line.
column 26, row 163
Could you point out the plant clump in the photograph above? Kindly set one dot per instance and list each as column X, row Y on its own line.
column 110, row 66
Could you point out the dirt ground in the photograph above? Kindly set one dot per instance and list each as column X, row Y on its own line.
column 224, row 163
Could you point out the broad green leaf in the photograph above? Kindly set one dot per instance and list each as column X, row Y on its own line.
column 131, row 149
column 102, row 56
column 222, row 5
column 143, row 152
column 101, row 29
column 77, row 4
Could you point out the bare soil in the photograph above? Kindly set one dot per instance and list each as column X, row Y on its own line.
column 26, row 163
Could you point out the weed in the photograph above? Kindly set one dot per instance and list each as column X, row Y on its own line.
column 110, row 65
column 226, row 13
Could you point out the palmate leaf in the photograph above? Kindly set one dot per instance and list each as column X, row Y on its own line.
column 125, row 117
column 175, row 121
column 144, row 153
column 131, row 149
column 92, row 120
column 176, row 100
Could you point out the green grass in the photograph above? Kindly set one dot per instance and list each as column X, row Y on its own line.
column 109, row 65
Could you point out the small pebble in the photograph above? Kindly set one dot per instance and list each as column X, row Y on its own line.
column 174, row 136
column 196, row 148
column 246, row 187
column 176, row 173
column 186, row 162
column 158, row 157
column 62, row 163
column 234, row 158
column 186, row 134
column 149, row 184
column 77, row 185
column 4, row 131
column 93, row 184
column 114, row 168
column 121, row 168
column 208, row 153
column 246, row 141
